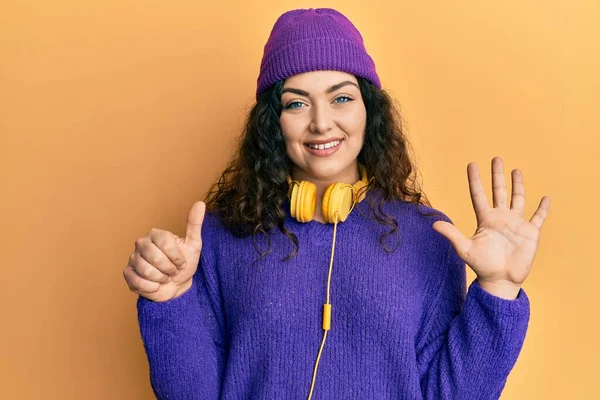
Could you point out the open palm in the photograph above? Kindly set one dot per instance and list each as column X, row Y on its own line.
column 504, row 244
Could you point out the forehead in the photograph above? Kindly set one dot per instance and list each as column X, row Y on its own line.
column 318, row 80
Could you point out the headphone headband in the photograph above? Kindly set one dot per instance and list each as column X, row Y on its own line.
column 357, row 185
column 337, row 202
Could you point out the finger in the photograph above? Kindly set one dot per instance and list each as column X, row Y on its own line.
column 460, row 243
column 517, row 200
column 498, row 183
column 541, row 213
column 194, row 226
column 155, row 256
column 166, row 242
column 145, row 270
column 138, row 284
column 478, row 197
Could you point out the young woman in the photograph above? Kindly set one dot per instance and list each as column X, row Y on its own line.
column 316, row 267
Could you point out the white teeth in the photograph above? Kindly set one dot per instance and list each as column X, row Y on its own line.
column 324, row 146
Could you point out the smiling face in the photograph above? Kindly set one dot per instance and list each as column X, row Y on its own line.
column 324, row 109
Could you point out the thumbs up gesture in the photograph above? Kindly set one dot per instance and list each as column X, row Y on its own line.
column 163, row 264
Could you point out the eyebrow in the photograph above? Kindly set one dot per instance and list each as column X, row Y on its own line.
column 329, row 90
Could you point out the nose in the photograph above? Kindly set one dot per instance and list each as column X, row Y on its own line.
column 322, row 120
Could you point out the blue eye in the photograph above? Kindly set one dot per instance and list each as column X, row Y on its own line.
column 290, row 105
column 344, row 97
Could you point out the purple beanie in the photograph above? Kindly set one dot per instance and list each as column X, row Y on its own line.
column 314, row 39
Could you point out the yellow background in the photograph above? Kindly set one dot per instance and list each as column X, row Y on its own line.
column 115, row 116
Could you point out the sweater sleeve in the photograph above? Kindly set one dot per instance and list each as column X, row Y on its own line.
column 471, row 341
column 184, row 340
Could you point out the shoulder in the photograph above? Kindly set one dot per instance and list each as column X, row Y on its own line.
column 217, row 233
column 421, row 212
column 218, row 242
column 415, row 213
column 436, row 259
column 211, row 222
column 214, row 230
column 419, row 218
column 415, row 232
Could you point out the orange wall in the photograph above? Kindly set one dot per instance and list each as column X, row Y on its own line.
column 116, row 116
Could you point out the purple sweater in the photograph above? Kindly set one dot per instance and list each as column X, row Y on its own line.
column 403, row 324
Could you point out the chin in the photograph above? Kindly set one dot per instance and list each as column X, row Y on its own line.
column 328, row 169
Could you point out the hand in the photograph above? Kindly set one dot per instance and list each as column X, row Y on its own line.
column 162, row 266
column 503, row 247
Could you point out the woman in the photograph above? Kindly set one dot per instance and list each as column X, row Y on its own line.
column 241, row 307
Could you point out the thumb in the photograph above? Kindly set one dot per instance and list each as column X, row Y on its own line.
column 193, row 228
column 449, row 231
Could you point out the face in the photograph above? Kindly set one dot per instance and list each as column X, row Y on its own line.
column 326, row 108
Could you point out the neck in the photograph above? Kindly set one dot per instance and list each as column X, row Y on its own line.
column 349, row 175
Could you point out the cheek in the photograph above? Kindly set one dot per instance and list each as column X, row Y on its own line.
column 291, row 131
column 287, row 128
column 291, row 138
column 355, row 125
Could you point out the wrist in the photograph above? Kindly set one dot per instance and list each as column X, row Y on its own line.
column 505, row 290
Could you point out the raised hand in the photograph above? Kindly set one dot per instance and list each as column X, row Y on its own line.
column 162, row 266
column 502, row 250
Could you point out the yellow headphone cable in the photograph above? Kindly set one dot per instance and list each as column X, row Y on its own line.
column 327, row 305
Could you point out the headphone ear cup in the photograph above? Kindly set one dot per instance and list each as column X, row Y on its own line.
column 305, row 201
column 338, row 198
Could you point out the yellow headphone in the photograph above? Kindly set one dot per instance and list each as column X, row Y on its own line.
column 337, row 204
column 336, row 200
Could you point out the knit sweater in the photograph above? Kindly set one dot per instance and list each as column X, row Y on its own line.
column 403, row 324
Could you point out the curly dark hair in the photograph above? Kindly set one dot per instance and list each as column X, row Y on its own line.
column 249, row 194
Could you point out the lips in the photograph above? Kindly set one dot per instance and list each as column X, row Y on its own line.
column 325, row 151
column 324, row 146
column 324, row 141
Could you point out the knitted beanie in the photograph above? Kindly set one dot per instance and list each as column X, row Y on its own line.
column 305, row 40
